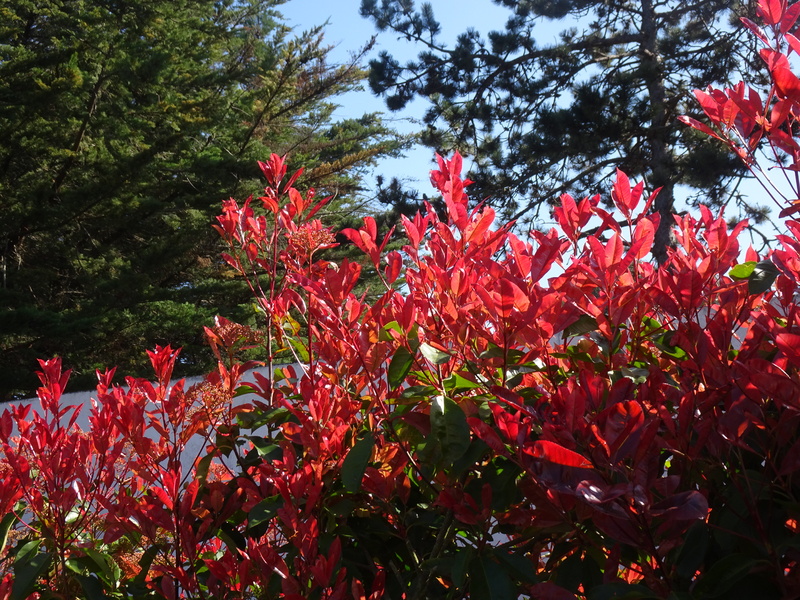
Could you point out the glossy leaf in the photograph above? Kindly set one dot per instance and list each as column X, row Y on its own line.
column 5, row 526
column 555, row 453
column 436, row 356
column 762, row 277
column 449, row 428
column 355, row 463
column 399, row 367
column 29, row 565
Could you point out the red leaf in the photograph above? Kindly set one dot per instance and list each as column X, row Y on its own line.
column 755, row 29
column 414, row 235
column 566, row 215
column 685, row 506
column 315, row 209
column 294, row 178
column 790, row 210
column 770, row 11
column 624, row 197
column 521, row 253
column 395, row 261
column 697, row 125
column 622, row 428
column 794, row 43
column 487, row 434
column 790, row 17
column 774, row 59
column 162, row 495
column 787, row 83
column 555, row 453
column 789, row 344
column 711, row 105
column 274, row 170
column 548, row 252
column 476, row 230
column 791, row 462
column 508, row 297
column 643, row 237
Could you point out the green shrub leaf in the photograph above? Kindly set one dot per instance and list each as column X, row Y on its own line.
column 355, row 463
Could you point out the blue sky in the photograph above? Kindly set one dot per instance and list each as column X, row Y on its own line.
column 348, row 31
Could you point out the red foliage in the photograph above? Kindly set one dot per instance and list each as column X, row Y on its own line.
column 540, row 417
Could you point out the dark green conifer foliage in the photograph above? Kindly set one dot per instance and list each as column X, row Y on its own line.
column 568, row 91
column 123, row 125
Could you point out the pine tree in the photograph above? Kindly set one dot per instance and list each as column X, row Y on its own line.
column 542, row 118
column 123, row 125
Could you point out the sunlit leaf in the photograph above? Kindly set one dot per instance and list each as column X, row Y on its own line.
column 437, row 357
column 742, row 270
column 556, row 453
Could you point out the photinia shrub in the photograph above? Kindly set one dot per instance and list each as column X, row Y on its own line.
column 547, row 417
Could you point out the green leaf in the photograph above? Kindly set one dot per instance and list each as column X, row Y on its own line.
column 693, row 550
column 569, row 573
column 384, row 334
column 474, row 454
column 243, row 390
column 265, row 447
column 92, row 587
column 201, row 471
column 664, row 343
column 343, row 507
column 449, row 428
column 493, row 351
column 109, row 569
column 418, row 391
column 258, row 418
column 489, row 581
column 355, row 463
column 636, row 375
column 300, row 349
column 144, row 564
column 650, row 326
column 742, row 271
column 584, row 324
column 762, row 277
column 457, row 382
column 520, row 566
column 5, row 526
column 437, row 357
column 399, row 367
column 458, row 574
column 724, row 574
column 29, row 565
column 264, row 511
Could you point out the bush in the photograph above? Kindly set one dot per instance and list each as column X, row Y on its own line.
column 554, row 418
